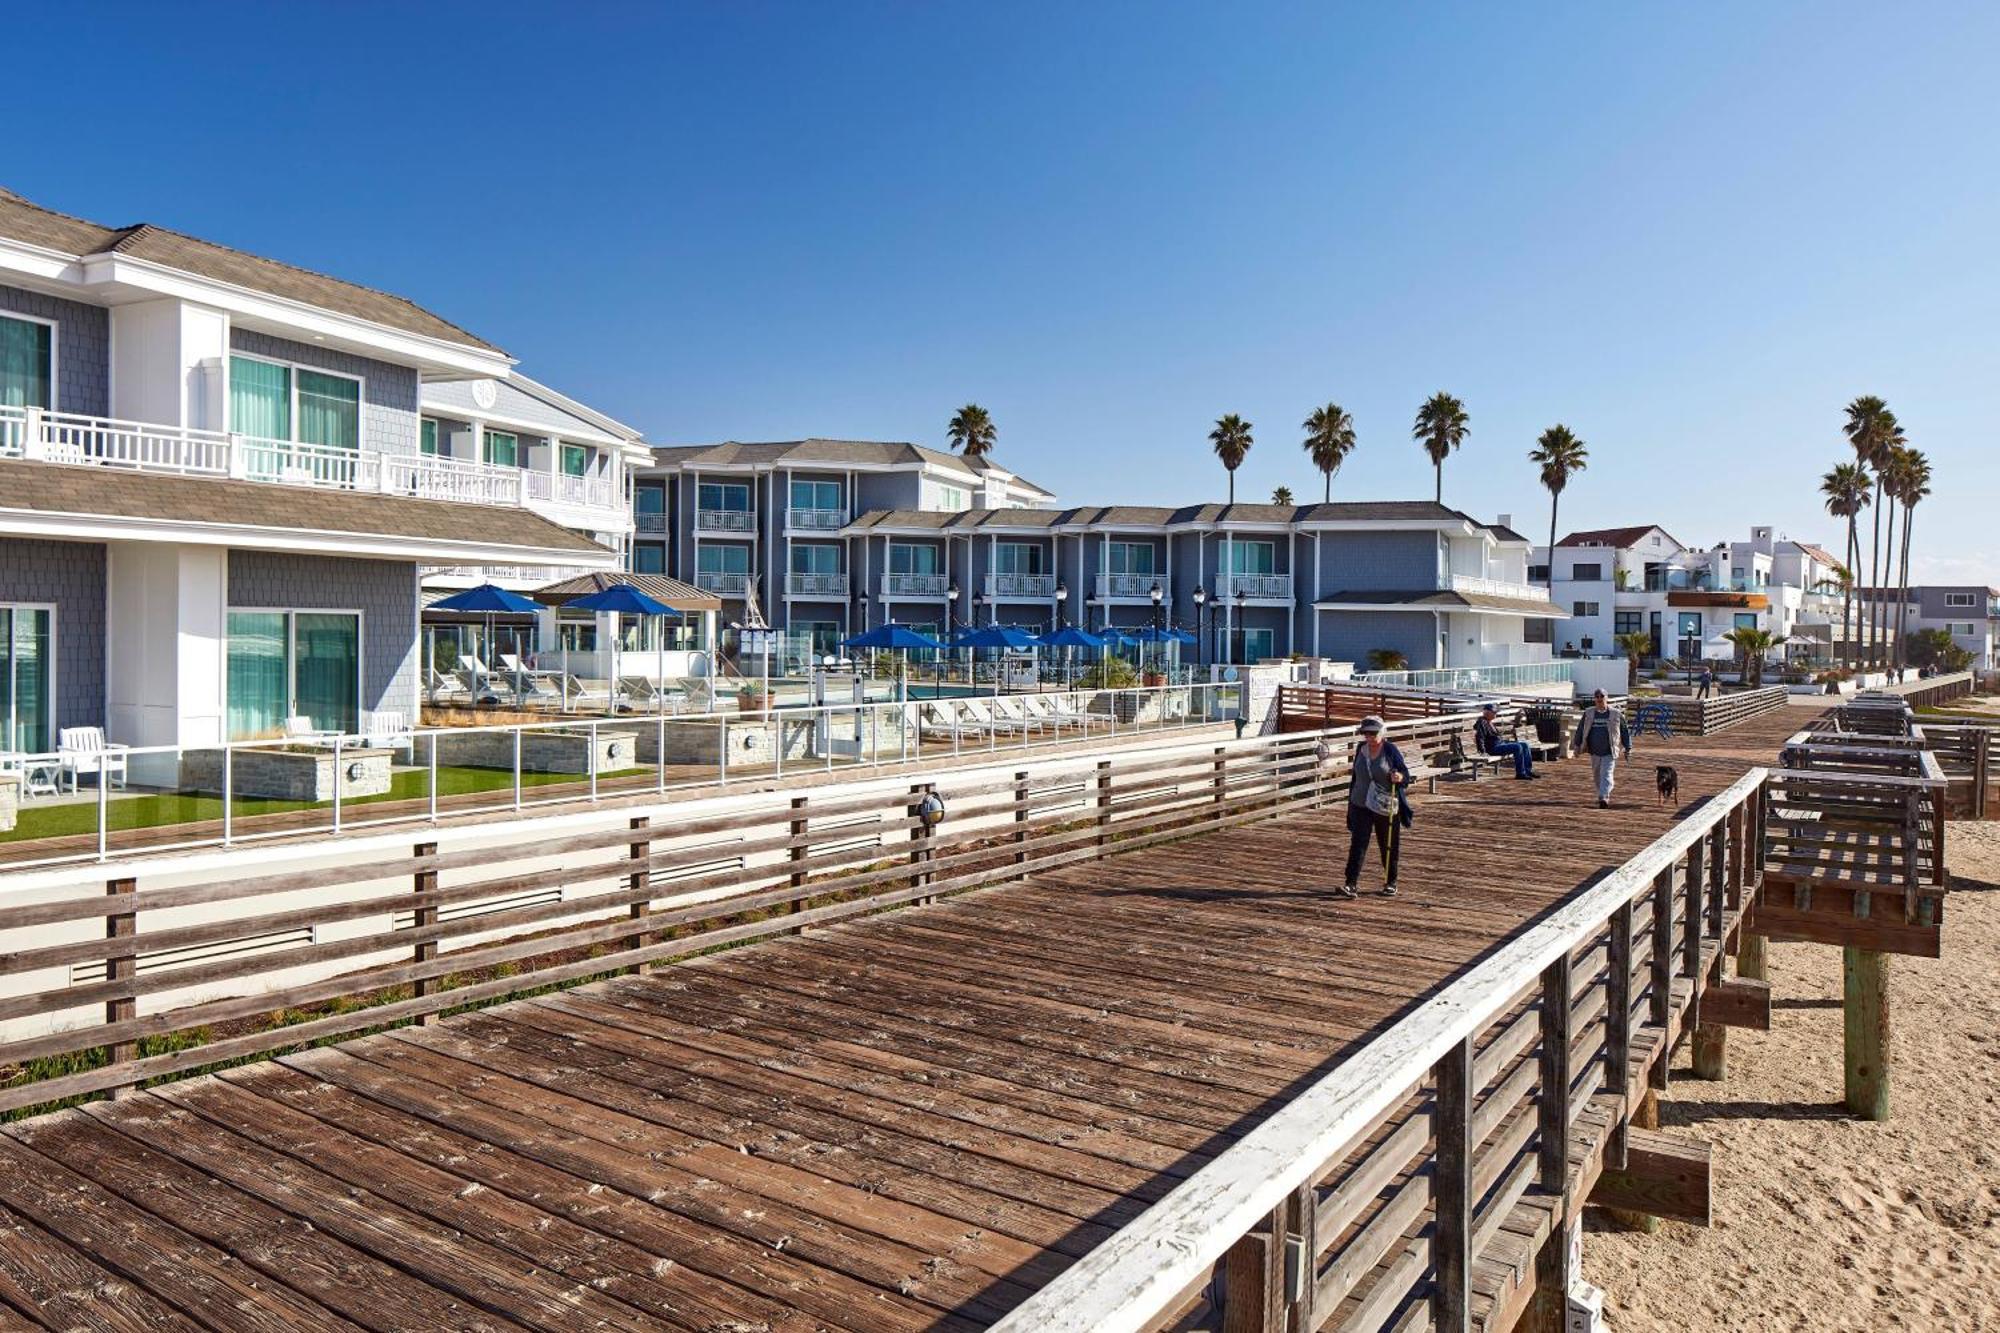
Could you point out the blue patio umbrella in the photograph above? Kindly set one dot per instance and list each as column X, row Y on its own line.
column 489, row 600
column 1069, row 636
column 892, row 637
column 994, row 636
column 625, row 600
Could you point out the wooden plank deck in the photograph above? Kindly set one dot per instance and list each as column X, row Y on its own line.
column 909, row 1121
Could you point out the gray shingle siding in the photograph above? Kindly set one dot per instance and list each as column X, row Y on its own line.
column 1376, row 561
column 82, row 344
column 384, row 591
column 388, row 392
column 1349, row 636
column 71, row 576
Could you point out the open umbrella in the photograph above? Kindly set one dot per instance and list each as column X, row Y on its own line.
column 1069, row 638
column 625, row 600
column 489, row 600
column 891, row 637
column 994, row 636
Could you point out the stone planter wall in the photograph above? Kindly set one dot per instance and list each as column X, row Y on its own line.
column 750, row 742
column 288, row 775
column 556, row 750
column 10, row 801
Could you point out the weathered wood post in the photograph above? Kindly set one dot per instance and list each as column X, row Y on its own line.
column 797, row 854
column 1662, row 997
column 1103, row 802
column 1710, row 1041
column 920, row 837
column 1021, row 815
column 1253, row 1271
column 1646, row 1115
column 1451, row 1252
column 119, row 926
column 425, row 882
column 1865, row 1020
column 636, row 881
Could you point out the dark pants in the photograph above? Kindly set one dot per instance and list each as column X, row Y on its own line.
column 1518, row 751
column 1361, row 823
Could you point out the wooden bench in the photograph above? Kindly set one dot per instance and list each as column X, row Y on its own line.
column 1474, row 761
column 1429, row 774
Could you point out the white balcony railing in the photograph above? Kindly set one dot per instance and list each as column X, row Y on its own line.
column 508, row 576
column 1014, row 587
column 721, row 583
column 653, row 523
column 914, row 585
column 816, row 585
column 1256, row 587
column 1132, row 587
column 816, row 520
column 1474, row 586
column 725, row 520
column 73, row 438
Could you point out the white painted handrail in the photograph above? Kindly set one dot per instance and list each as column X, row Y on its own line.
column 1134, row 1277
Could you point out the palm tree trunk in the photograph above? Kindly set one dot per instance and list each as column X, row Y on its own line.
column 1329, row 488
column 1551, row 571
column 1875, row 579
column 1232, row 486
column 1847, row 592
column 1889, row 611
column 1439, row 465
column 1903, row 582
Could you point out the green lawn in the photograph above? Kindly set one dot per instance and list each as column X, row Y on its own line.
column 69, row 819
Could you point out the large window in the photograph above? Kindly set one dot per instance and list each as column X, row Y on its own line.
column 1961, row 599
column 503, row 448
column 649, row 499
column 815, row 558
column 272, row 401
column 27, row 363
column 715, row 559
column 649, row 558
column 728, row 496
column 1129, row 557
column 950, row 498
column 427, row 435
column 1583, row 608
column 1017, row 558
column 284, row 664
column 1628, row 622
column 1961, row 629
column 1746, row 620
column 816, row 495
column 906, row 559
column 27, row 678
column 1591, row 573
column 1253, row 558
column 575, row 460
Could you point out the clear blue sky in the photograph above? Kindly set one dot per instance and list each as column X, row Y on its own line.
column 1691, row 233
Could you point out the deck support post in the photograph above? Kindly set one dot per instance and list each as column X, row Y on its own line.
column 1253, row 1272
column 118, row 926
column 798, row 853
column 1021, row 815
column 424, row 881
column 1751, row 962
column 1451, row 1185
column 1554, row 1078
column 1548, row 1308
column 1662, row 1012
column 920, row 838
column 635, row 883
column 1646, row 1115
column 1865, row 1000
column 1103, row 802
column 1618, row 1024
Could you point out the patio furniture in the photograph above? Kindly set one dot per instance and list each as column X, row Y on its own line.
column 943, row 716
column 442, row 688
column 386, row 729
column 300, row 731
column 84, row 750
column 648, row 695
column 39, row 774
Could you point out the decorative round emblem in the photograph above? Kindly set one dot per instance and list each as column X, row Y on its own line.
column 354, row 772
column 485, row 393
column 611, row 750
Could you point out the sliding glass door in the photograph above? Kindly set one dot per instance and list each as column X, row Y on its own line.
column 27, row 363
column 27, row 670
column 288, row 664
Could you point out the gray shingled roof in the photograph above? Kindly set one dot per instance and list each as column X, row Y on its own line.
column 28, row 222
column 817, row 451
column 1619, row 537
column 670, row 592
column 1163, row 516
column 1447, row 601
column 55, row 488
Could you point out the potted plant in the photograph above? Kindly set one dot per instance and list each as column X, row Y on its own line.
column 752, row 702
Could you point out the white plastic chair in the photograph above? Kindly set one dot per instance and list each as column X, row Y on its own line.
column 84, row 750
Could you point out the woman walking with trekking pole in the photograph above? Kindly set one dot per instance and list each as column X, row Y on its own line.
column 1373, row 805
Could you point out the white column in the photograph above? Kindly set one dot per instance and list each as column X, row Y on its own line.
column 166, row 632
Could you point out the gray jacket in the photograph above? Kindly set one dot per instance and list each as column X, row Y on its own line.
column 1602, row 735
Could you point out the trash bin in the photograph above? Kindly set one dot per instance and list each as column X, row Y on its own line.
column 1548, row 725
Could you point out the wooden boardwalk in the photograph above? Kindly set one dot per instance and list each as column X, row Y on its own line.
column 909, row 1121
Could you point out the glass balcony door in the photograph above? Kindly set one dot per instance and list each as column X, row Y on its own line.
column 26, row 678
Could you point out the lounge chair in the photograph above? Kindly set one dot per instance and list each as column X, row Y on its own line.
column 650, row 696
column 84, row 750
column 1048, row 708
column 995, row 717
column 1013, row 710
column 441, row 688
column 942, row 715
column 299, row 730
column 575, row 690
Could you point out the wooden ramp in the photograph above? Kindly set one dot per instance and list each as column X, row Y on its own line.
column 908, row 1121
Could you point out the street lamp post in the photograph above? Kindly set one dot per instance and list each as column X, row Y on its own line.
column 1201, row 643
column 1242, row 638
column 950, row 629
column 1158, row 596
column 1062, row 602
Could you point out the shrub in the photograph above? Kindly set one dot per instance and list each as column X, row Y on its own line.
column 1387, row 659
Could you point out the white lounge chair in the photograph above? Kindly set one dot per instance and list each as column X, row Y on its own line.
column 650, row 696
column 84, row 750
column 989, row 712
column 942, row 716
column 1050, row 711
column 442, row 688
column 1012, row 710
column 385, row 729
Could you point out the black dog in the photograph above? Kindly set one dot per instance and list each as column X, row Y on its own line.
column 1668, row 779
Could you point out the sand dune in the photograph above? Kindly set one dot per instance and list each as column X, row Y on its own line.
column 1824, row 1222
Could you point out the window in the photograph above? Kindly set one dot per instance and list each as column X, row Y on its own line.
column 1950, row 598
column 1964, row 628
column 649, row 499
column 649, row 558
column 905, row 559
column 1258, row 644
column 1583, row 609
column 714, row 559
column 1538, row 573
column 427, row 435
column 816, row 495
column 284, row 664
column 731, row 497
column 27, row 363
column 815, row 558
column 1690, row 622
column 1130, row 557
column 1252, row 558
column 270, row 400
column 1017, row 558
column 1538, row 631
column 27, row 678
column 951, row 498
column 577, row 636
column 575, row 460
column 1628, row 622
column 503, row 448
column 823, row 636
column 1746, row 620
column 1591, row 573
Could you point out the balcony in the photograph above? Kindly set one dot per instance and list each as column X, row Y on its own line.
column 650, row 524
column 1471, row 585
column 725, row 520
column 594, row 492
column 722, row 583
column 815, row 520
column 1021, row 587
column 87, row 441
column 829, row 586
column 914, row 585
column 1132, row 587
column 507, row 576
column 1255, row 587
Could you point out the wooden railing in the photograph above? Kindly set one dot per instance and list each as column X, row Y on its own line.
column 1969, row 755
column 1369, row 1201
column 1312, row 707
column 357, row 939
column 1703, row 717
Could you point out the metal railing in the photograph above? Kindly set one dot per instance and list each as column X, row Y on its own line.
column 725, row 520
column 649, row 522
column 562, row 488
column 1033, row 586
column 1473, row 678
column 156, row 798
column 1264, row 587
column 1133, row 587
column 1475, row 586
column 816, row 520
column 722, row 584
column 914, row 585
column 816, row 585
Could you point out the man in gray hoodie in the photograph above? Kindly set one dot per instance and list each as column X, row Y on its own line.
column 1603, row 735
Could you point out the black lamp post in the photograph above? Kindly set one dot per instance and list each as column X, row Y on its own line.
column 1159, row 597
column 1242, row 638
column 950, row 626
column 1062, row 602
column 1200, row 602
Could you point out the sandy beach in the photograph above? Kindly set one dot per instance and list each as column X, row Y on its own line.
column 1821, row 1221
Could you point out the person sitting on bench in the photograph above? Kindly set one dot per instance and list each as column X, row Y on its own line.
column 1486, row 735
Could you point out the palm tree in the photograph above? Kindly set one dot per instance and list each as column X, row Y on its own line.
column 1752, row 645
column 1282, row 495
column 1441, row 427
column 1916, row 484
column 1869, row 427
column 1636, row 646
column 1891, row 473
column 1231, row 438
column 1329, row 440
column 1846, row 490
column 1561, row 456
column 972, row 432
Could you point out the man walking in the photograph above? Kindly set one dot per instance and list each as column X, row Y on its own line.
column 1707, row 681
column 1486, row 736
column 1603, row 735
